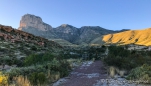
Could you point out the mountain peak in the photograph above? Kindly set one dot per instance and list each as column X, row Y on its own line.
column 90, row 26
column 29, row 20
column 66, row 25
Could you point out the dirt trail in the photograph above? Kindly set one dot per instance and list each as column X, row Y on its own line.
column 91, row 74
column 86, row 75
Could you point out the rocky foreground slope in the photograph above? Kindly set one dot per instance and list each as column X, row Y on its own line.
column 84, row 35
column 139, row 37
column 17, row 44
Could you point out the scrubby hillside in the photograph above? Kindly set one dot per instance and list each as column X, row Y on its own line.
column 140, row 37
column 16, row 44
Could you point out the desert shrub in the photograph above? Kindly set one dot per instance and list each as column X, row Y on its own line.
column 37, row 78
column 26, row 70
column 148, row 53
column 21, row 47
column 27, row 52
column 126, row 62
column 36, row 66
column 47, row 57
column 33, row 78
column 31, row 59
column 95, row 52
column 118, row 51
column 15, row 72
column 64, row 68
column 1, row 38
column 3, row 79
column 125, row 59
column 4, row 50
column 59, row 65
column 141, row 73
column 20, row 81
column 41, row 78
column 102, row 49
column 117, row 61
column 55, row 75
column 5, row 59
column 38, row 58
column 34, row 48
column 27, row 45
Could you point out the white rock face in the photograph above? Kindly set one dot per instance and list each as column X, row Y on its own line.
column 29, row 20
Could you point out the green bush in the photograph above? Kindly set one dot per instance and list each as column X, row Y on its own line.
column 34, row 48
column 38, row 58
column 141, row 73
column 37, row 78
column 37, row 65
column 9, row 60
column 118, row 51
column 125, row 59
column 120, row 62
column 64, row 68
column 59, row 65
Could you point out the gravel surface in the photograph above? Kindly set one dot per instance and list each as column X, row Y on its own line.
column 85, row 75
column 92, row 74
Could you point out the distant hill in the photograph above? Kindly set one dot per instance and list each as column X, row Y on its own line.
column 64, row 43
column 139, row 37
column 84, row 35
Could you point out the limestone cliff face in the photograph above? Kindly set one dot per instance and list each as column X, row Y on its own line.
column 29, row 20
column 34, row 24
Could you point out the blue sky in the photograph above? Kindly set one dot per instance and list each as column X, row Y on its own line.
column 109, row 14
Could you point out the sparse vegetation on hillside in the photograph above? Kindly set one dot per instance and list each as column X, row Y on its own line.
column 139, row 37
column 40, row 69
column 142, row 73
column 137, row 63
column 24, row 61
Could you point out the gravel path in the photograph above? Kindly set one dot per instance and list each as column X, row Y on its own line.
column 86, row 75
column 92, row 74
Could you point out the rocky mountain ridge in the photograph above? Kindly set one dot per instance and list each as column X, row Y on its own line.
column 86, row 34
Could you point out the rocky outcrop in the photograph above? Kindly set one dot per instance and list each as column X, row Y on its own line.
column 67, row 32
column 34, row 24
column 29, row 20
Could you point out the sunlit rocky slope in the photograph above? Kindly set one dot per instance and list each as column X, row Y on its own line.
column 139, row 37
